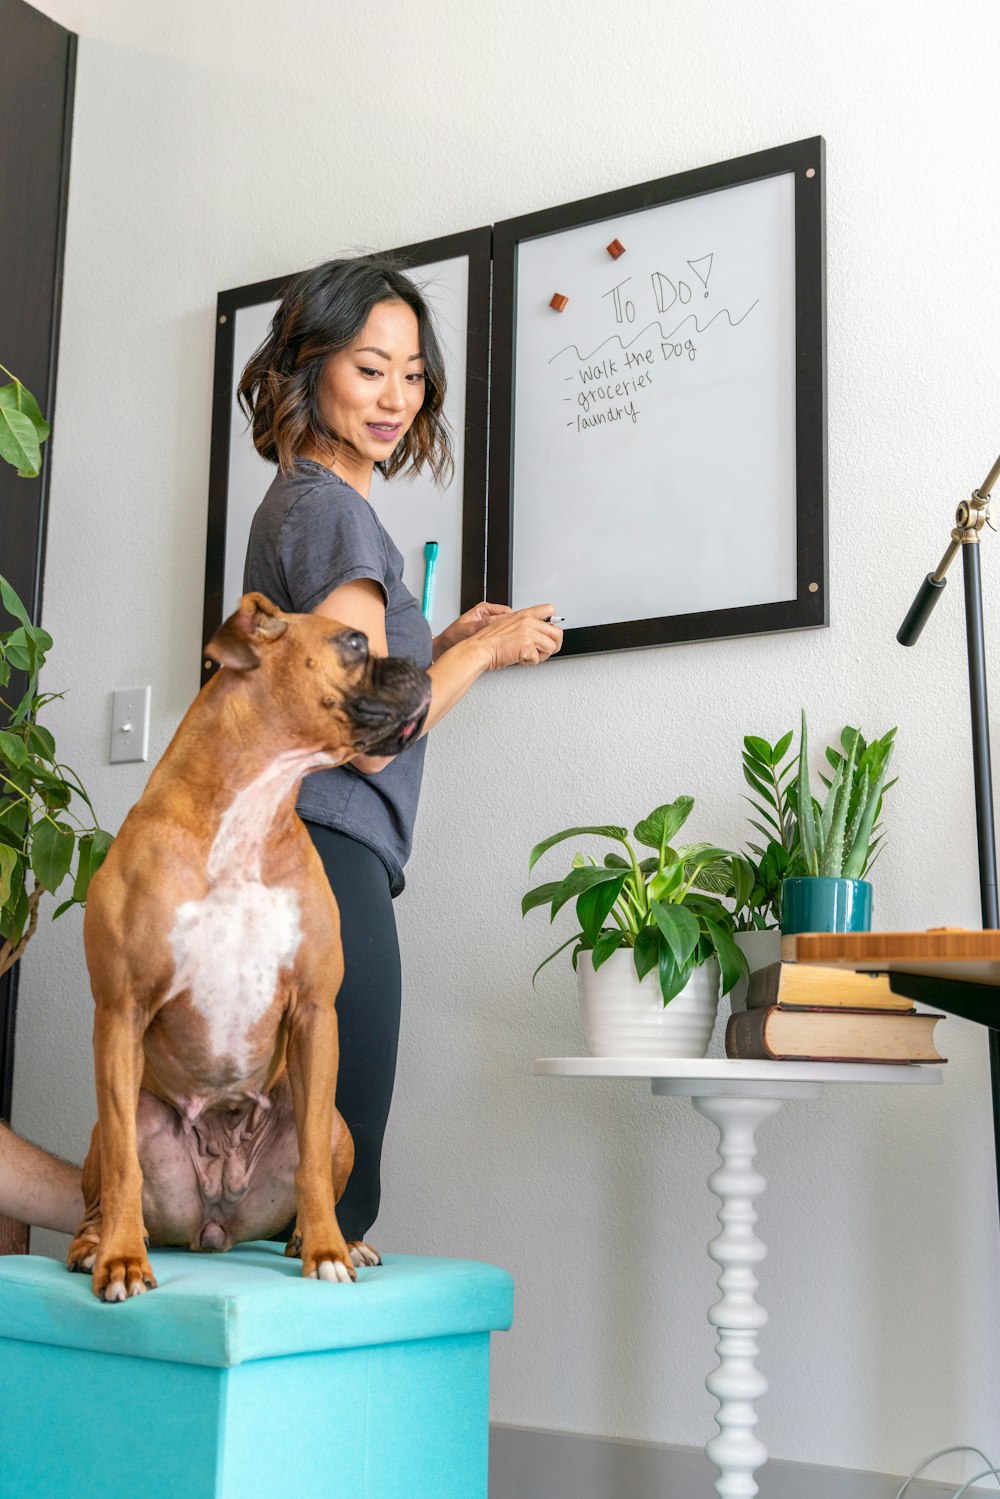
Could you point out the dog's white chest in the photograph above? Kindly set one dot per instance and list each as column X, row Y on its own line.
column 230, row 947
column 228, row 952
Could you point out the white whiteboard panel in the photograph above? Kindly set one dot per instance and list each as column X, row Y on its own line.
column 414, row 509
column 654, row 454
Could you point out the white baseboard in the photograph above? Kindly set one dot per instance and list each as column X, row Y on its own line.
column 530, row 1464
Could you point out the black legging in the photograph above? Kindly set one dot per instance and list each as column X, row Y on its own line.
column 367, row 1012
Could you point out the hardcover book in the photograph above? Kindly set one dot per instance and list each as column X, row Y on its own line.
column 832, row 1035
column 809, row 984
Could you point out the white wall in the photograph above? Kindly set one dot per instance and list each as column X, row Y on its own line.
column 218, row 145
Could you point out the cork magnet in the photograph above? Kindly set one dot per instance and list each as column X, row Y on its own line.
column 615, row 249
column 558, row 301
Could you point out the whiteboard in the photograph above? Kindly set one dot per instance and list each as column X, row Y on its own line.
column 413, row 509
column 655, row 461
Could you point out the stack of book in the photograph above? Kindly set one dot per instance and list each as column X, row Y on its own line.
column 802, row 1012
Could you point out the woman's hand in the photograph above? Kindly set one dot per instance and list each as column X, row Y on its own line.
column 521, row 637
column 469, row 623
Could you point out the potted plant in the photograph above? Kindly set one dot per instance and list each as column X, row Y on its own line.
column 757, row 873
column 48, row 831
column 838, row 841
column 656, row 947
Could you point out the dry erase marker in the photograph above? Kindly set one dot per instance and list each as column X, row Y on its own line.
column 555, row 619
column 430, row 557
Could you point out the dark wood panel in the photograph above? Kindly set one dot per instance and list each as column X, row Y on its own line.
column 37, row 72
column 13, row 1237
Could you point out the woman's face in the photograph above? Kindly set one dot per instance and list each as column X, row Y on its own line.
column 370, row 392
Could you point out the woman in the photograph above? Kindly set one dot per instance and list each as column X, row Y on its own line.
column 350, row 379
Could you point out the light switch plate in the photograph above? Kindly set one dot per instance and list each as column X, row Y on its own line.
column 130, row 724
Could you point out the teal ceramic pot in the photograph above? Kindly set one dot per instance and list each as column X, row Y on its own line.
column 819, row 904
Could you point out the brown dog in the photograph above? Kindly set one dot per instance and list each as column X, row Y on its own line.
column 213, row 943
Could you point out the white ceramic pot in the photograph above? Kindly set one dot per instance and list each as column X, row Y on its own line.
column 759, row 949
column 625, row 1018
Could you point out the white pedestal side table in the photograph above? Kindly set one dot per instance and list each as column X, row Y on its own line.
column 737, row 1097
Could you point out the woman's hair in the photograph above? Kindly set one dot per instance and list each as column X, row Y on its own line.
column 322, row 312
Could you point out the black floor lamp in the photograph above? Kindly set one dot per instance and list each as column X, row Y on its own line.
column 970, row 519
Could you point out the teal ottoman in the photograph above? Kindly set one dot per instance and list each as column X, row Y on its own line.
column 237, row 1379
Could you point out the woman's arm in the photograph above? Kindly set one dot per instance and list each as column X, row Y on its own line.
column 505, row 637
column 36, row 1187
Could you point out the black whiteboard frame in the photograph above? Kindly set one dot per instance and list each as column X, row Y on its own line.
column 809, row 609
column 475, row 245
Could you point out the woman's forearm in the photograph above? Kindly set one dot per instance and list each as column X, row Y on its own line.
column 452, row 674
column 36, row 1187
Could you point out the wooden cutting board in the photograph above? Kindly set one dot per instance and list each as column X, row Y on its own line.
column 965, row 956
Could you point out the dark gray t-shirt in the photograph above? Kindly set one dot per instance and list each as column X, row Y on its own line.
column 311, row 533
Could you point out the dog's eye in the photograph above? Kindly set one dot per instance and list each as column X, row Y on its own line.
column 352, row 645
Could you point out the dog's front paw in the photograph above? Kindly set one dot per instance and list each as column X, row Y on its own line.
column 117, row 1276
column 82, row 1253
column 328, row 1263
column 363, row 1254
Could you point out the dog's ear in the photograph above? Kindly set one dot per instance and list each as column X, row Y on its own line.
column 237, row 643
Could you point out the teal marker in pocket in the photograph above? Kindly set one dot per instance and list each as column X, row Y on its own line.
column 430, row 557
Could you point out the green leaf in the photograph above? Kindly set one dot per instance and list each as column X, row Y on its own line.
column 673, row 975
column 764, row 813
column 607, row 943
column 81, row 883
column 12, row 748
column 767, row 832
column 646, row 952
column 19, row 398
column 12, row 603
column 14, row 918
column 579, row 880
column 575, row 938
column 781, row 748
column 760, row 786
column 42, row 742
column 56, row 794
column 540, row 896
column 19, row 650
column 620, row 834
column 761, row 749
column 731, row 959
column 666, row 882
column 680, row 930
column 19, row 444
column 716, row 876
column 857, row 855
column 698, row 856
column 99, row 852
column 662, row 824
column 13, row 821
column 833, row 854
column 807, row 827
column 52, row 846
column 17, row 876
column 744, row 878
column 594, row 905
column 8, row 863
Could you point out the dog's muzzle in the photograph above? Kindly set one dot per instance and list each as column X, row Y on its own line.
column 390, row 709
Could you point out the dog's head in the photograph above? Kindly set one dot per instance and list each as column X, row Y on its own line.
column 319, row 676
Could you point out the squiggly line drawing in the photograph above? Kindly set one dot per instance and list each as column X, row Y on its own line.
column 666, row 337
